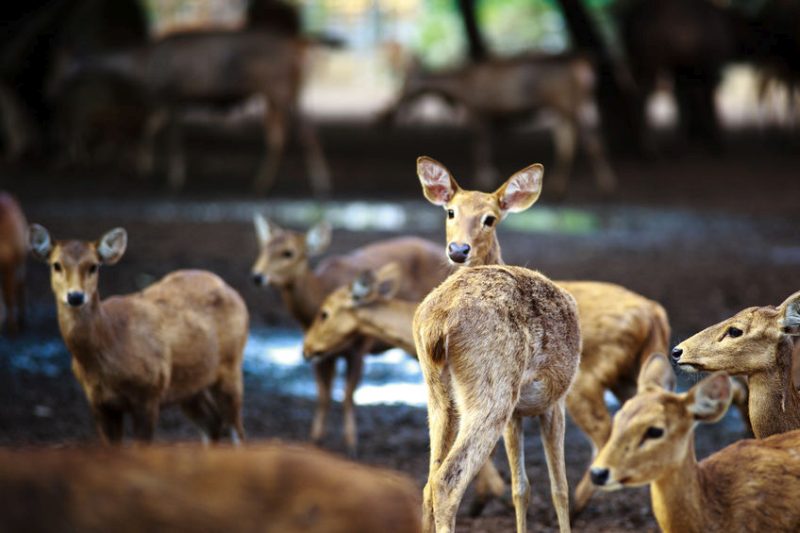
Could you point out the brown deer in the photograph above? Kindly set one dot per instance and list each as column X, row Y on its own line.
column 283, row 262
column 495, row 343
column 269, row 487
column 619, row 328
column 368, row 307
column 751, row 485
column 180, row 340
column 507, row 88
column 13, row 252
column 759, row 343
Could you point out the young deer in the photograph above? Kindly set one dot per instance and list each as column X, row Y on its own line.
column 619, row 328
column 368, row 307
column 181, row 340
column 758, row 342
column 13, row 252
column 495, row 343
column 751, row 485
column 283, row 262
column 499, row 89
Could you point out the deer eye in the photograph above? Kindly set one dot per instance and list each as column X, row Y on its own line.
column 57, row 266
column 323, row 315
column 652, row 432
column 451, row 213
column 93, row 269
column 288, row 254
column 489, row 221
column 734, row 332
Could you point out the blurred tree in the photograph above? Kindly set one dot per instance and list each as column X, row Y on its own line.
column 475, row 41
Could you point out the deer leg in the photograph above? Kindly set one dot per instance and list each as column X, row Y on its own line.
column 275, row 129
column 202, row 410
column 603, row 174
column 109, row 422
column 488, row 485
column 355, row 367
column 323, row 372
column 145, row 418
column 317, row 167
column 145, row 158
column 564, row 133
column 487, row 174
column 228, row 393
column 520, row 487
column 176, row 169
column 553, row 428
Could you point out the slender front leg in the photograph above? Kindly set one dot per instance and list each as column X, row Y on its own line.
column 520, row 487
column 564, row 134
column 109, row 422
column 486, row 172
column 317, row 166
column 323, row 372
column 553, row 439
column 145, row 418
column 275, row 130
column 355, row 367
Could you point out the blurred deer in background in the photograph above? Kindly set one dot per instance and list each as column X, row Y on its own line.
column 283, row 262
column 180, row 340
column 760, row 343
column 619, row 328
column 752, row 485
column 501, row 89
column 13, row 252
column 269, row 487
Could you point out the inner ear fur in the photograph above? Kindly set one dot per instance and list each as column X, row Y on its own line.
column 521, row 190
column 656, row 372
column 438, row 184
column 710, row 398
column 790, row 309
column 39, row 242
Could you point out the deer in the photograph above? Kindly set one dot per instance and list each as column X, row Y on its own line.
column 283, row 263
column 266, row 487
column 501, row 89
column 759, row 343
column 368, row 307
column 748, row 486
column 13, row 252
column 179, row 341
column 619, row 328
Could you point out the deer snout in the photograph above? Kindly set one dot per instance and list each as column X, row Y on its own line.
column 599, row 475
column 312, row 355
column 458, row 252
column 258, row 279
column 677, row 352
column 76, row 298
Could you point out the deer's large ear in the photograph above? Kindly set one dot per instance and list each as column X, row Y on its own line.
column 656, row 372
column 318, row 238
column 389, row 278
column 791, row 314
column 438, row 184
column 265, row 229
column 521, row 190
column 709, row 399
column 39, row 242
column 111, row 246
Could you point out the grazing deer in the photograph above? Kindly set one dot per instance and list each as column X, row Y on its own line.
column 13, row 252
column 495, row 343
column 759, row 343
column 619, row 328
column 283, row 262
column 181, row 340
column 368, row 307
column 751, row 485
column 268, row 487
column 507, row 88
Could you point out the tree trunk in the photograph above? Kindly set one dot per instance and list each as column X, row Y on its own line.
column 475, row 41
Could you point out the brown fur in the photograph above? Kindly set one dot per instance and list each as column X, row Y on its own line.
column 13, row 251
column 749, row 486
column 763, row 353
column 495, row 343
column 619, row 327
column 283, row 262
column 181, row 340
column 270, row 487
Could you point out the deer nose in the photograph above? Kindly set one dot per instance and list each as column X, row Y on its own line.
column 258, row 279
column 75, row 299
column 599, row 476
column 458, row 252
column 676, row 353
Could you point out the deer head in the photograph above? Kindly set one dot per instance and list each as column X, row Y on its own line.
column 284, row 254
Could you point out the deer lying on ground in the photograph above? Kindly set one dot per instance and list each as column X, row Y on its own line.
column 181, row 340
column 501, row 89
column 368, row 307
column 619, row 328
column 272, row 487
column 221, row 68
column 13, row 252
column 751, row 485
column 759, row 343
column 283, row 262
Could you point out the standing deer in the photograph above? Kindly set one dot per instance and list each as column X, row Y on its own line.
column 751, row 485
column 13, row 252
column 619, row 328
column 502, row 89
column 495, row 343
column 758, row 342
column 283, row 262
column 181, row 340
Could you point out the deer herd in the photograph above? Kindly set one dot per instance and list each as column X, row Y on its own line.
column 495, row 343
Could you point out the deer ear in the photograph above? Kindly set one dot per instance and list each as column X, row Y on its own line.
column 265, row 229
column 438, row 184
column 363, row 287
column 709, row 399
column 39, row 242
column 791, row 315
column 521, row 190
column 656, row 372
column 111, row 246
column 389, row 279
column 318, row 238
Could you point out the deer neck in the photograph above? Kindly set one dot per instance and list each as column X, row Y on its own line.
column 492, row 255
column 773, row 404
column 390, row 322
column 303, row 295
column 85, row 331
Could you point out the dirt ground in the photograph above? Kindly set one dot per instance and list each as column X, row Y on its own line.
column 724, row 235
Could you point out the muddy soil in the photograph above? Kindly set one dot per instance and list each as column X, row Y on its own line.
column 726, row 237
